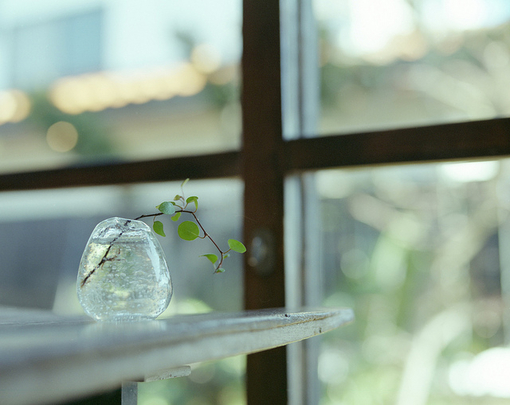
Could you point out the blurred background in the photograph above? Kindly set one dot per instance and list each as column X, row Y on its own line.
column 417, row 250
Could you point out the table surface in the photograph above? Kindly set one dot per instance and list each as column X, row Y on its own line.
column 45, row 358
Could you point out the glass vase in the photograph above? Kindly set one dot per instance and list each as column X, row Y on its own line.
column 123, row 274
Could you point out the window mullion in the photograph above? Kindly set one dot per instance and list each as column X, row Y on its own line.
column 263, row 195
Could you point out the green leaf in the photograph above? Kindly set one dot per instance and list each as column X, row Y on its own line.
column 177, row 197
column 158, row 228
column 236, row 246
column 184, row 183
column 166, row 208
column 176, row 217
column 188, row 230
column 193, row 199
column 220, row 270
column 212, row 258
column 226, row 255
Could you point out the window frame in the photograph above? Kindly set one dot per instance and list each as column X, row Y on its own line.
column 266, row 159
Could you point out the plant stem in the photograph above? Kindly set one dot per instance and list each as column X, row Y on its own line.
column 149, row 215
column 206, row 234
column 104, row 259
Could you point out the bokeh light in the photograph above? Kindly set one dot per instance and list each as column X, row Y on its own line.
column 14, row 106
column 99, row 91
column 62, row 136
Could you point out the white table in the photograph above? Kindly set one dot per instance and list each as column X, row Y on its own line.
column 45, row 358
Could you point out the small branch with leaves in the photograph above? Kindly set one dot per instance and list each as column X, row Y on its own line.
column 191, row 230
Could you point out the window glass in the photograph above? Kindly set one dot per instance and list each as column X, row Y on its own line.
column 102, row 79
column 397, row 63
column 44, row 233
column 218, row 382
column 421, row 254
column 54, row 226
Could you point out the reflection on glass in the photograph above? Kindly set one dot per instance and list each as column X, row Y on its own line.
column 421, row 254
column 396, row 63
column 134, row 80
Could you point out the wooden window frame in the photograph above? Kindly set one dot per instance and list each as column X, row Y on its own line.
column 265, row 160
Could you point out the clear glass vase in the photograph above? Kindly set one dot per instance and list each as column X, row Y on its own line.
column 123, row 273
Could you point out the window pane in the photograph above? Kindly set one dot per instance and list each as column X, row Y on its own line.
column 396, row 63
column 54, row 226
column 44, row 233
column 88, row 80
column 421, row 254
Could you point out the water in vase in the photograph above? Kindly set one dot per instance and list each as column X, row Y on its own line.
column 123, row 273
